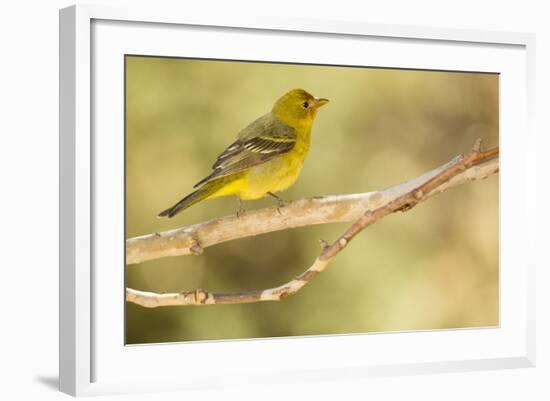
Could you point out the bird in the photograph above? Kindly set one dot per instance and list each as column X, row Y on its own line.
column 266, row 158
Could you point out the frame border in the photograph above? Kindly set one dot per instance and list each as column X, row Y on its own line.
column 75, row 170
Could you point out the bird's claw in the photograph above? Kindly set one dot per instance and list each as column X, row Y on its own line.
column 280, row 204
column 241, row 210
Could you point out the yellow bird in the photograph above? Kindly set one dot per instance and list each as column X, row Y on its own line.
column 266, row 158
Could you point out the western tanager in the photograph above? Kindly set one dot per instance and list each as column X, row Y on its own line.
column 267, row 156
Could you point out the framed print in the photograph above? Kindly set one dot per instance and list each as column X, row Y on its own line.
column 273, row 200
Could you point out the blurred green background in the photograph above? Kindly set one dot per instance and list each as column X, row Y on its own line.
column 433, row 267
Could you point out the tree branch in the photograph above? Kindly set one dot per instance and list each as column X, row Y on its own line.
column 303, row 212
column 369, row 207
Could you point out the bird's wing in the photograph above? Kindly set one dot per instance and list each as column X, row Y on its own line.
column 259, row 142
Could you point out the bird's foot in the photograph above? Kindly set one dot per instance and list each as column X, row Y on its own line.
column 280, row 202
column 241, row 210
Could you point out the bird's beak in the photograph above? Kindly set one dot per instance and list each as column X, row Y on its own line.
column 320, row 101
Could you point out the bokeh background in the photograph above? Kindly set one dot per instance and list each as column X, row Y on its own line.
column 434, row 267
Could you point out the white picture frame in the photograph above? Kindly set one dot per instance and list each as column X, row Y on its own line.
column 83, row 344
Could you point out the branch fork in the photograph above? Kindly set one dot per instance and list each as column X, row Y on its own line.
column 365, row 209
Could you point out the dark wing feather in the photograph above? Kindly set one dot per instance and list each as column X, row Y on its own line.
column 259, row 142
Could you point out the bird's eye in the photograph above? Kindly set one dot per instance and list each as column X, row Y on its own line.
column 305, row 105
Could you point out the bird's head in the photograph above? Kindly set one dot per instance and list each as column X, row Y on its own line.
column 297, row 107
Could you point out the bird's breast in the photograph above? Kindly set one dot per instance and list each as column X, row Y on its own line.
column 275, row 175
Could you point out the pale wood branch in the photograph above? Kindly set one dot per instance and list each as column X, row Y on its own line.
column 303, row 212
column 369, row 207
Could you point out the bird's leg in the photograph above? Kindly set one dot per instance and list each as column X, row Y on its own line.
column 281, row 202
column 241, row 210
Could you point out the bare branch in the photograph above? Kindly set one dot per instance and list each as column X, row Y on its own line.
column 475, row 165
column 303, row 212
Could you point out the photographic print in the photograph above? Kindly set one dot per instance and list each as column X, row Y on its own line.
column 242, row 180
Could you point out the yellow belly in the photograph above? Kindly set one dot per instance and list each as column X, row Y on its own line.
column 273, row 176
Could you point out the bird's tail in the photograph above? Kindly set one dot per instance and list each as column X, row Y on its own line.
column 189, row 200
